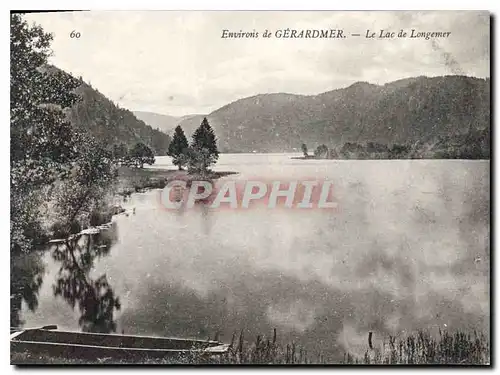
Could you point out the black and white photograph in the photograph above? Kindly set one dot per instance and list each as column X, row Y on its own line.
column 220, row 188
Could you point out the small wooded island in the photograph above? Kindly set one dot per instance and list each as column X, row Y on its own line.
column 475, row 144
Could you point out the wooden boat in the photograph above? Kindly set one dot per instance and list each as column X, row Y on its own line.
column 94, row 346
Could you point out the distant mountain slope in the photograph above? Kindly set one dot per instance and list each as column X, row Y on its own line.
column 190, row 123
column 110, row 123
column 168, row 123
column 408, row 110
column 165, row 123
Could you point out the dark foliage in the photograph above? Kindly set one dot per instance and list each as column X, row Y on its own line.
column 321, row 152
column 203, row 151
column 120, row 152
column 94, row 297
column 474, row 144
column 178, row 148
column 304, row 149
column 26, row 272
column 42, row 140
column 139, row 155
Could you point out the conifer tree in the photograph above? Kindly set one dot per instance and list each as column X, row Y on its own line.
column 304, row 150
column 203, row 151
column 178, row 148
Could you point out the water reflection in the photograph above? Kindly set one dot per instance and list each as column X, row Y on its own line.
column 94, row 297
column 409, row 250
column 26, row 272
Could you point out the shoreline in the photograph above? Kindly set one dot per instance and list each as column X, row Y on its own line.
column 136, row 180
column 383, row 159
column 129, row 181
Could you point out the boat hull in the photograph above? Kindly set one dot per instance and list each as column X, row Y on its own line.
column 97, row 348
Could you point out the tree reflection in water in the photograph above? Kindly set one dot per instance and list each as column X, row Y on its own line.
column 95, row 298
column 26, row 272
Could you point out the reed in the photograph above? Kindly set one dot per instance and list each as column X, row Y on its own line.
column 456, row 348
column 416, row 349
column 264, row 350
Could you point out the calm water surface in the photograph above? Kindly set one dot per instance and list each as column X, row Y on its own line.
column 408, row 249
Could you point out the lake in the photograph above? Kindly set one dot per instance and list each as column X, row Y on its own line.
column 407, row 249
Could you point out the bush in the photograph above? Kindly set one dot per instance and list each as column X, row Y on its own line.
column 139, row 155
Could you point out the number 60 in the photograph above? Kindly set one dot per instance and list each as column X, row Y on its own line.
column 74, row 34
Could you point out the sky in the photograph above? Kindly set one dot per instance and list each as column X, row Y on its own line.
column 176, row 63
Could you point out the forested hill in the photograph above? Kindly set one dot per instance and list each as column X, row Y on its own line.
column 418, row 109
column 109, row 123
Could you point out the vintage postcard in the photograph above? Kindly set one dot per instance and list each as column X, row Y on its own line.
column 250, row 187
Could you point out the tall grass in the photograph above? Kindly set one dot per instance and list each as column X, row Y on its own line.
column 416, row 349
column 421, row 348
column 262, row 351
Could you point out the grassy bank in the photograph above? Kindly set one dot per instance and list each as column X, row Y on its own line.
column 129, row 180
column 134, row 180
column 457, row 348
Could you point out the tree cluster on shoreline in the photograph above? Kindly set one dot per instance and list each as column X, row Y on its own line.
column 200, row 155
column 136, row 156
column 63, row 171
column 473, row 145
column 62, row 177
column 59, row 173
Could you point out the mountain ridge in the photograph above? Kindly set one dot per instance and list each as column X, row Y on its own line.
column 405, row 110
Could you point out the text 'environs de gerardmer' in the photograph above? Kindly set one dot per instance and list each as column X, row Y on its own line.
column 333, row 34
